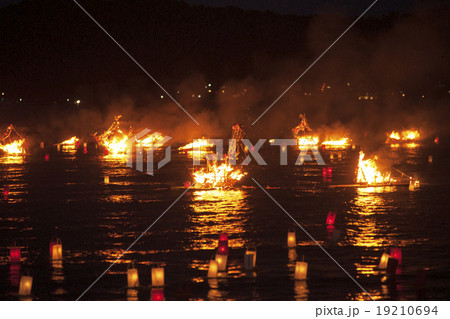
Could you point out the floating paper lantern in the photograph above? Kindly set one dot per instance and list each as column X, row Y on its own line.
column 6, row 191
column 329, row 171
column 292, row 254
column 221, row 262
column 331, row 217
column 213, row 268
column 133, row 278
column 301, row 270
column 14, row 255
column 291, row 241
column 250, row 258
column 223, row 244
column 383, row 261
column 430, row 159
column 324, row 172
column 26, row 282
column 158, row 277
column 396, row 253
column 42, row 145
column 56, row 249
column 47, row 157
column 157, row 295
column 106, row 179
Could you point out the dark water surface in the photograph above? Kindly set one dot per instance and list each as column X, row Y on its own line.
column 66, row 198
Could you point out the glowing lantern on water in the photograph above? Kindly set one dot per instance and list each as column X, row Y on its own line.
column 14, row 254
column 291, row 241
column 157, row 295
column 213, row 268
column 6, row 191
column 223, row 244
column 47, row 157
column 221, row 262
column 106, row 179
column 133, row 278
column 329, row 171
column 396, row 253
column 158, row 277
column 331, row 217
column 42, row 145
column 430, row 159
column 56, row 249
column 383, row 261
column 324, row 172
column 301, row 270
column 26, row 282
column 250, row 258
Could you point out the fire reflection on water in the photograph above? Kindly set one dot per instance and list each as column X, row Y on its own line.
column 216, row 212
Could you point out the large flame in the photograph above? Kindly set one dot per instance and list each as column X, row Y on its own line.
column 307, row 140
column 220, row 176
column 368, row 172
column 14, row 148
column 152, row 140
column 117, row 145
column 407, row 135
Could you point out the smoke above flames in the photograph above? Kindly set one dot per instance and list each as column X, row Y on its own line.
column 370, row 82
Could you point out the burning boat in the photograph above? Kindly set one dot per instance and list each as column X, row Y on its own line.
column 216, row 175
column 12, row 143
column 300, row 132
column 199, row 146
column 368, row 173
column 113, row 140
column 406, row 138
column 69, row 145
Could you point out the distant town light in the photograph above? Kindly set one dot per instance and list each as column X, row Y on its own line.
column 78, row 102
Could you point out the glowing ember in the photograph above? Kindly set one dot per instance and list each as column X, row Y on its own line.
column 368, row 172
column 223, row 175
column 71, row 141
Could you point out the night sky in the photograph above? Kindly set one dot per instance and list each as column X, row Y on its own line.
column 308, row 7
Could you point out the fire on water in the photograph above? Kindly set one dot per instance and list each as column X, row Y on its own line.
column 218, row 176
column 71, row 141
column 14, row 148
column 369, row 174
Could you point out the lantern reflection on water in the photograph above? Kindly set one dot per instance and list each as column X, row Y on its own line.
column 26, row 282
column 396, row 253
column 291, row 241
column 106, row 179
column 158, row 277
column 301, row 270
column 383, row 261
column 157, row 295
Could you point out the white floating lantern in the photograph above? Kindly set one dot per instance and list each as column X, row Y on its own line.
column 158, row 277
column 56, row 249
column 106, row 179
column 26, row 282
column 213, row 268
column 250, row 258
column 383, row 261
column 221, row 262
column 133, row 278
column 301, row 270
column 291, row 241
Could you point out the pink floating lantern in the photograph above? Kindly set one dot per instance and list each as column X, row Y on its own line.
column 47, row 157
column 6, row 191
column 157, row 295
column 331, row 217
column 14, row 255
column 329, row 171
column 324, row 172
column 396, row 253
column 223, row 244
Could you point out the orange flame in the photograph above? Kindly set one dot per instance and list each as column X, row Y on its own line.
column 14, row 148
column 71, row 141
column 218, row 176
column 368, row 172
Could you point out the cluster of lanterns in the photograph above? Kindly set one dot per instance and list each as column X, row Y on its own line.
column 26, row 281
column 157, row 292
